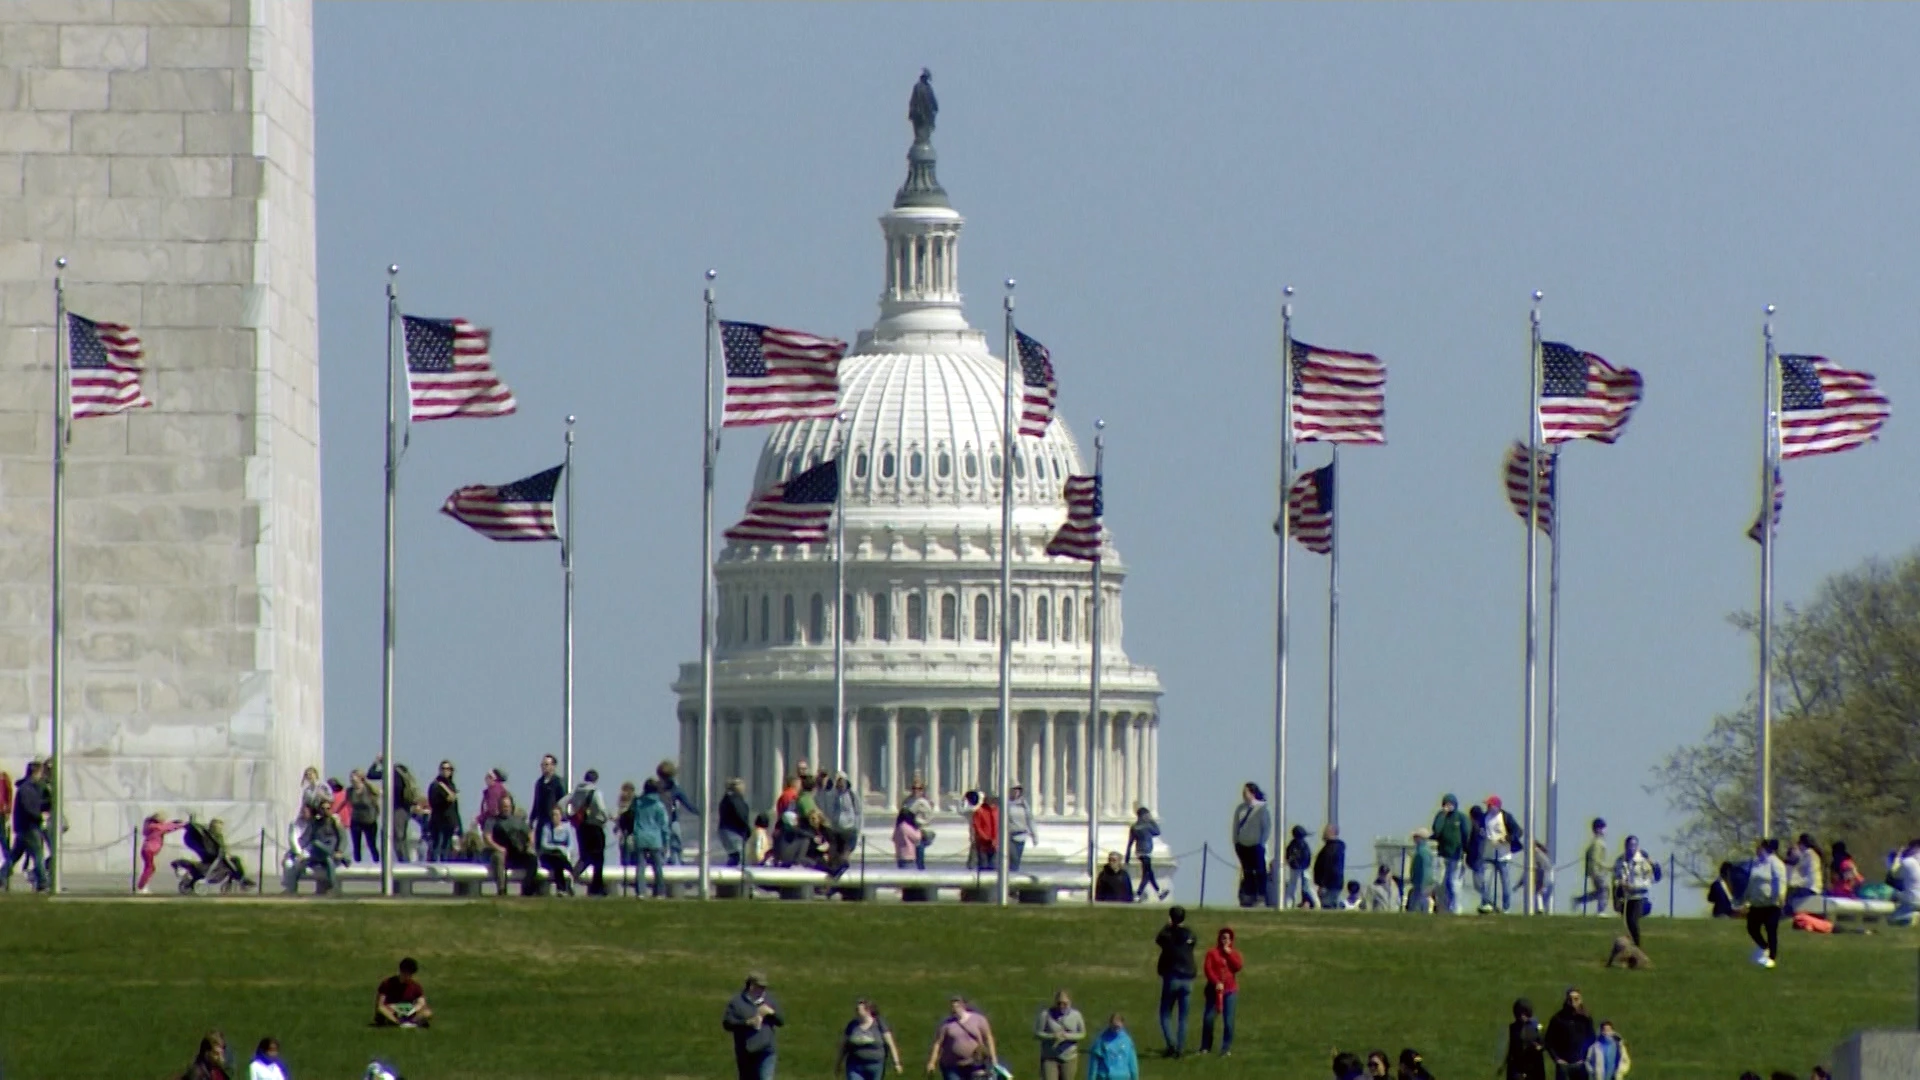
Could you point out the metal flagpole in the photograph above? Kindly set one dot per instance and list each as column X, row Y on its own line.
column 1008, row 448
column 1553, row 673
column 709, row 449
column 840, row 605
column 62, row 404
column 566, row 566
column 1533, row 590
column 1283, row 527
column 395, row 337
column 1093, row 714
column 1333, row 640
column 1769, row 461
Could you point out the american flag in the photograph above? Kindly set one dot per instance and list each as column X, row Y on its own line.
column 1779, row 503
column 522, row 510
column 1081, row 536
column 1825, row 408
column 1310, row 510
column 1338, row 397
column 795, row 511
column 1037, row 386
column 1515, row 476
column 450, row 372
column 1583, row 396
column 103, row 361
column 776, row 375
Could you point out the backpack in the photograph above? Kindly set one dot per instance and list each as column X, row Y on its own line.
column 408, row 787
column 588, row 810
column 1515, row 834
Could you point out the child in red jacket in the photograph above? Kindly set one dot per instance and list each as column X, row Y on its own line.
column 1221, row 970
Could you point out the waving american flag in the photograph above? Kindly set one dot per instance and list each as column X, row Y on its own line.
column 795, row 511
column 1310, row 510
column 1037, row 387
column 1824, row 408
column 522, row 510
column 1514, row 473
column 1081, row 536
column 1583, row 396
column 1338, row 397
column 103, row 368
column 450, row 371
column 776, row 375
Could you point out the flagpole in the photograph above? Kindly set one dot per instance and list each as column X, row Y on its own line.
column 1276, row 872
column 709, row 449
column 1553, row 669
column 1769, row 461
column 566, row 565
column 1093, row 714
column 387, row 612
column 1333, row 640
column 1008, row 448
column 62, row 375
column 1533, row 585
column 839, row 605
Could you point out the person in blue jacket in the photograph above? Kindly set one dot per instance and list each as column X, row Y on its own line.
column 1112, row 1056
column 652, row 834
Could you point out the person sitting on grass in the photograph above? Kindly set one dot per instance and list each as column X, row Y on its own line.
column 510, row 847
column 1379, row 1065
column 1112, row 1056
column 1412, row 1067
column 1113, row 885
column 211, row 1061
column 266, row 1061
column 1347, row 1067
column 401, row 1001
column 556, row 849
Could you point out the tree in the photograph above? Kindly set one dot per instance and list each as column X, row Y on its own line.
column 1846, row 727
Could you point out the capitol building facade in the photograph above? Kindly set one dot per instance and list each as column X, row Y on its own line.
column 922, row 446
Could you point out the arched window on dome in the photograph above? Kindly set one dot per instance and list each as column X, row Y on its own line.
column 886, row 464
column 1040, row 627
column 1059, row 468
column 943, row 464
column 766, row 617
column 1086, row 609
column 794, row 462
column 949, row 617
column 849, row 618
column 1014, row 613
column 1066, row 620
column 916, row 617
column 1039, row 467
column 993, row 464
column 817, row 619
column 789, row 620
column 972, row 464
column 882, row 616
column 860, row 465
column 916, row 463
column 982, row 617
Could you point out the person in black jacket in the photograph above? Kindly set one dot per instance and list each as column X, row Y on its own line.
column 1299, row 858
column 549, row 791
column 29, row 830
column 751, row 1018
column 1113, row 885
column 1176, row 968
column 1330, row 868
column 443, row 814
column 1526, row 1048
column 736, row 821
column 1569, row 1034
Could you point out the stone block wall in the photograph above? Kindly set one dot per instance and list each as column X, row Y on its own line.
column 165, row 148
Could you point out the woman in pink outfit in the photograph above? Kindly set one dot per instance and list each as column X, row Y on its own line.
column 153, row 836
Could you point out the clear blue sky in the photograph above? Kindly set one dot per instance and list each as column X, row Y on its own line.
column 1153, row 175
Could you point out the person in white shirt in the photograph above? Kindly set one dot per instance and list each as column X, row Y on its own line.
column 1766, row 892
column 1803, row 870
column 266, row 1062
column 1906, row 874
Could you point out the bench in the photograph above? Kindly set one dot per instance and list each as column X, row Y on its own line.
column 1856, row 914
column 472, row 879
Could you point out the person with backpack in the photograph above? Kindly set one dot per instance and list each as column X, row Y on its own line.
column 1500, row 837
column 1634, row 876
column 1450, row 834
column 650, row 835
column 1299, row 859
column 588, row 810
column 1526, row 1045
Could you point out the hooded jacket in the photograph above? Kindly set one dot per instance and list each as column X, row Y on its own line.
column 1450, row 831
column 650, row 823
column 1111, row 1056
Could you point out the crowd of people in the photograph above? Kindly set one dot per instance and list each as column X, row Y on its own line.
column 25, row 812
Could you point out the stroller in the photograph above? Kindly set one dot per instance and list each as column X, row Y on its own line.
column 216, row 867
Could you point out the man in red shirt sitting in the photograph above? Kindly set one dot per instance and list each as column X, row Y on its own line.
column 400, row 1001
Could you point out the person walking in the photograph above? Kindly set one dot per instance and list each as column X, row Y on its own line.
column 443, row 814
column 1060, row 1029
column 963, row 1039
column 674, row 798
column 1635, row 875
column 1299, row 859
column 1596, row 867
column 1499, row 839
column 1252, row 825
column 1766, row 894
column 363, row 815
column 589, row 813
column 650, row 836
column 1607, row 1057
column 1177, row 970
column 1112, row 1055
column 1221, row 970
column 1140, row 837
column 1568, row 1035
column 736, row 821
column 29, row 830
column 266, row 1064
column 1526, row 1045
column 752, row 1018
column 866, row 1045
column 1330, row 868
column 153, row 836
column 1450, row 834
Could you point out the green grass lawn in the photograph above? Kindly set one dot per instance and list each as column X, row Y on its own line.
column 580, row 989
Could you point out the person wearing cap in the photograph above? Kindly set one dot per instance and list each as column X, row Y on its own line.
column 1450, row 844
column 1497, row 838
column 1019, row 825
column 1597, row 867
column 751, row 1018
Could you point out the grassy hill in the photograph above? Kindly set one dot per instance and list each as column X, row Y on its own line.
column 523, row 989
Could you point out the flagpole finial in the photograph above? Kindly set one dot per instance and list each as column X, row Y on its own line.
column 712, row 273
column 1009, row 301
column 60, row 263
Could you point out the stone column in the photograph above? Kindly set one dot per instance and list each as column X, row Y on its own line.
column 1050, row 793
column 820, row 764
column 894, row 758
column 974, row 771
column 934, row 787
column 853, row 753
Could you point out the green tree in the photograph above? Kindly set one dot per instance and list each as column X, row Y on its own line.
column 1846, row 728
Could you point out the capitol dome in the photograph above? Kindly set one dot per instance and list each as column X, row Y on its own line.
column 921, row 445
